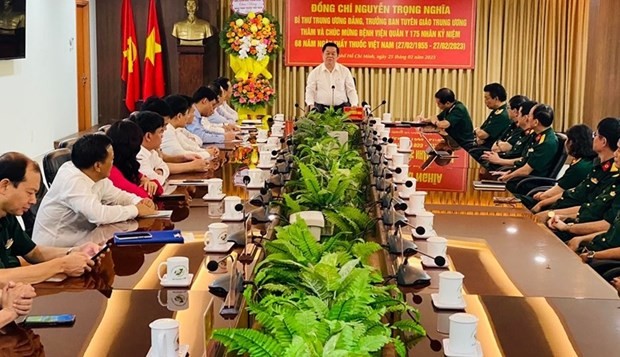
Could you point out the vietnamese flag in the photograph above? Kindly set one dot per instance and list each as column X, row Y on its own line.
column 153, row 65
column 130, row 68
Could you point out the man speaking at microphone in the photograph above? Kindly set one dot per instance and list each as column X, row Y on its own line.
column 330, row 84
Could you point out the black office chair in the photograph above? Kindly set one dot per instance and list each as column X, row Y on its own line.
column 52, row 162
column 29, row 216
column 544, row 183
column 67, row 144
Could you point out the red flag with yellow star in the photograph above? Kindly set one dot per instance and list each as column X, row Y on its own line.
column 130, row 67
column 153, row 65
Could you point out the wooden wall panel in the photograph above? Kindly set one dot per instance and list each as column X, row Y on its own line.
column 602, row 92
column 110, row 87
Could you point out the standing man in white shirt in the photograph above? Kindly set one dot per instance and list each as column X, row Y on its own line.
column 82, row 197
column 330, row 84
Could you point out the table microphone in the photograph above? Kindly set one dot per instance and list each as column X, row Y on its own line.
column 213, row 265
column 383, row 102
column 333, row 91
column 300, row 108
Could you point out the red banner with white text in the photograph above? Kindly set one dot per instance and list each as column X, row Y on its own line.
column 446, row 176
column 387, row 34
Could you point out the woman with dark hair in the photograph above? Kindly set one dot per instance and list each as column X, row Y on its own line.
column 126, row 140
column 579, row 147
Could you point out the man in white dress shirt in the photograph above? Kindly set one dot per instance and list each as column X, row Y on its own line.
column 82, row 197
column 20, row 179
column 224, row 109
column 330, row 84
column 177, row 140
column 151, row 164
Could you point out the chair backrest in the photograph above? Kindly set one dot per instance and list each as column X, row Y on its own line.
column 52, row 162
column 67, row 144
column 560, row 156
column 29, row 216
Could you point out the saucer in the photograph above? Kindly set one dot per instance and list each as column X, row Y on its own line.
column 400, row 194
column 176, row 283
column 277, row 135
column 412, row 213
column 182, row 352
column 214, row 198
column 264, row 167
column 432, row 233
column 442, row 305
column 449, row 353
column 398, row 182
column 428, row 262
column 261, row 141
column 404, row 151
column 228, row 218
column 254, row 187
column 220, row 248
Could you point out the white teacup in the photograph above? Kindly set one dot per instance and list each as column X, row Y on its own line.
column 437, row 246
column 217, row 234
column 401, row 173
column 264, row 158
column 177, row 268
column 390, row 150
column 404, row 144
column 385, row 134
column 164, row 338
column 214, row 187
column 278, row 117
column 450, row 287
column 230, row 208
column 406, row 189
column 274, row 142
column 416, row 202
column 424, row 219
column 463, row 329
column 399, row 159
column 378, row 127
column 257, row 178
column 387, row 117
column 262, row 134
column 176, row 300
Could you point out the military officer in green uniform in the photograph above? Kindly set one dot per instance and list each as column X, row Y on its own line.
column 498, row 120
column 493, row 160
column 604, row 143
column 454, row 120
column 514, row 132
column 583, row 159
column 20, row 178
column 538, row 159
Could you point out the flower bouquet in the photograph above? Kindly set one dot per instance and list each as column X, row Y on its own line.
column 252, row 35
column 252, row 93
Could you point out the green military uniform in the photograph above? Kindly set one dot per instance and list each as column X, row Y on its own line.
column 541, row 153
column 601, row 176
column 520, row 145
column 461, row 128
column 495, row 124
column 577, row 171
column 15, row 242
column 607, row 240
column 605, row 206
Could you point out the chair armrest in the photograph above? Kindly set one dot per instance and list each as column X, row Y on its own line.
column 538, row 189
column 537, row 180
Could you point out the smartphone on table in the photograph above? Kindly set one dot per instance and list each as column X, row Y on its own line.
column 61, row 320
column 133, row 235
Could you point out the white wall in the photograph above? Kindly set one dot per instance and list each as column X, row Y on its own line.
column 38, row 94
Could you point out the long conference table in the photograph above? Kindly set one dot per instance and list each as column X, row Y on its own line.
column 532, row 295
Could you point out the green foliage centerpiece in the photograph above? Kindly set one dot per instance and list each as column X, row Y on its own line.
column 323, row 298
